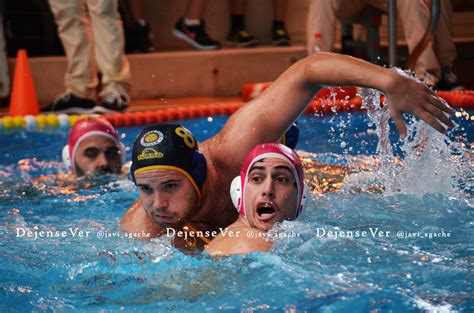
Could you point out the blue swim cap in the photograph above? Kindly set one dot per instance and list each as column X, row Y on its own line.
column 291, row 136
column 171, row 147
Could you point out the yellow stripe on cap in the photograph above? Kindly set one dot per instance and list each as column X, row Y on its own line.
column 172, row 168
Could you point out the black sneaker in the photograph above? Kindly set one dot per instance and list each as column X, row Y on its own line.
column 449, row 80
column 69, row 103
column 113, row 102
column 280, row 36
column 4, row 102
column 241, row 38
column 195, row 35
column 138, row 38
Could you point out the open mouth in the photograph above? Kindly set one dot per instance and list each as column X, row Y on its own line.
column 265, row 211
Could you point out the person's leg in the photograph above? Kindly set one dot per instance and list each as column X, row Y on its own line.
column 195, row 9
column 237, row 7
column 443, row 39
column 238, row 35
column 415, row 18
column 279, row 10
column 74, row 32
column 322, row 17
column 320, row 27
column 137, row 10
column 80, row 79
column 349, row 9
column 109, row 51
column 138, row 36
column 237, row 15
column 192, row 29
column 4, row 79
column 280, row 34
column 445, row 49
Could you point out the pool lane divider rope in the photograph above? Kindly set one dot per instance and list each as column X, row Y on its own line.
column 328, row 100
column 121, row 119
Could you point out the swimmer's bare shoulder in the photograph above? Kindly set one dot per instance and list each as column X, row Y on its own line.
column 216, row 208
column 136, row 220
column 238, row 239
column 221, row 160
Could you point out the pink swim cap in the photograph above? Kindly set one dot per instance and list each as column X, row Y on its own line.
column 268, row 150
column 85, row 128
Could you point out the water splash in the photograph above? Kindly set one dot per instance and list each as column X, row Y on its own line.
column 430, row 162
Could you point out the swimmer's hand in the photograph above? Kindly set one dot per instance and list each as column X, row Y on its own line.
column 406, row 95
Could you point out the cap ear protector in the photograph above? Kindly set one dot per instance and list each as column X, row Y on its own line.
column 65, row 155
column 236, row 192
column 236, row 196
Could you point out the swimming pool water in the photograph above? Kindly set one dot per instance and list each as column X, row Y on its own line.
column 307, row 269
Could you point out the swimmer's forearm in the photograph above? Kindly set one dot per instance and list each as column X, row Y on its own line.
column 281, row 104
column 340, row 70
column 403, row 94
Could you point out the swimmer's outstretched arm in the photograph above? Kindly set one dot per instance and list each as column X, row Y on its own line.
column 267, row 117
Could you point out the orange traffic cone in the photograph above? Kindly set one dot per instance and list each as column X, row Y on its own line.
column 23, row 98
